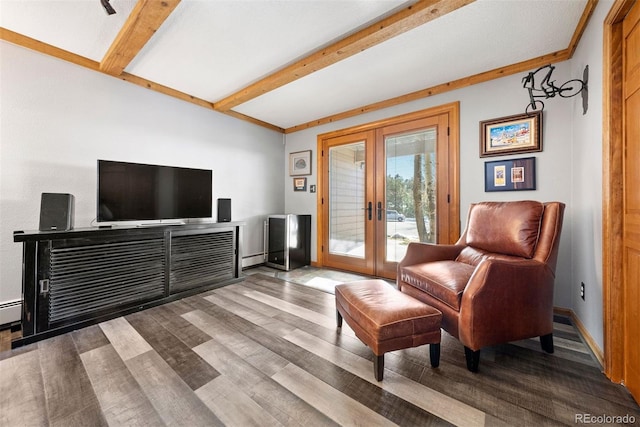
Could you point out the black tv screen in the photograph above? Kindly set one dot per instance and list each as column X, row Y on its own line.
column 138, row 192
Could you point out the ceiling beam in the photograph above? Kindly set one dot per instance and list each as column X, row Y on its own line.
column 145, row 19
column 407, row 19
column 497, row 73
column 47, row 49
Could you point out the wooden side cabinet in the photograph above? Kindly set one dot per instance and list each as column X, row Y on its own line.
column 75, row 278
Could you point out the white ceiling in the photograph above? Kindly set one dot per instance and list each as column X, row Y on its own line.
column 211, row 49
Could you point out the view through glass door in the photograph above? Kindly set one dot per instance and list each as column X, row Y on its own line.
column 383, row 189
column 410, row 188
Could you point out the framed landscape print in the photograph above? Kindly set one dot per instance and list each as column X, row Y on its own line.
column 521, row 133
column 510, row 175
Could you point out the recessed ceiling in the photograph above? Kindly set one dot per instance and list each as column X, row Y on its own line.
column 212, row 50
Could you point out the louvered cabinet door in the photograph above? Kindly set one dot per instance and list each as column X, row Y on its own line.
column 91, row 279
column 201, row 259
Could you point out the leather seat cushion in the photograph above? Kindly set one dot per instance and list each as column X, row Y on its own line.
column 443, row 280
column 384, row 312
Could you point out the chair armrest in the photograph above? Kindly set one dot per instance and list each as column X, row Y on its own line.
column 419, row 253
column 506, row 301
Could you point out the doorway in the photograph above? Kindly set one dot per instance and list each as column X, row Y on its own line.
column 621, row 203
column 384, row 185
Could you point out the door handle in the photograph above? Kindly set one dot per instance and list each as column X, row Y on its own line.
column 368, row 209
column 380, row 211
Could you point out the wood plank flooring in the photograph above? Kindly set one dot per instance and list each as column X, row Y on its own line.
column 265, row 352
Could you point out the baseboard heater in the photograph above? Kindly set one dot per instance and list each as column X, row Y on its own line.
column 9, row 312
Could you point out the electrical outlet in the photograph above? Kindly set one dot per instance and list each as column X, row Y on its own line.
column 582, row 290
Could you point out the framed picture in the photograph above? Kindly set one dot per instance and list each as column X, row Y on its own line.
column 521, row 133
column 299, row 184
column 510, row 175
column 300, row 163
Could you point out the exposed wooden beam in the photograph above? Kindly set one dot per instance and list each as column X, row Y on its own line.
column 407, row 19
column 441, row 88
column 38, row 46
column 145, row 19
column 47, row 49
column 530, row 64
column 330, row 52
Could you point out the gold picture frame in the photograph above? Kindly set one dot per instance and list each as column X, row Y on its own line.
column 521, row 133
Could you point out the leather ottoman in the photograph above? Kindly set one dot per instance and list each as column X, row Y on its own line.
column 386, row 319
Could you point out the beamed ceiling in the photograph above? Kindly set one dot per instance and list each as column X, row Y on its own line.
column 293, row 64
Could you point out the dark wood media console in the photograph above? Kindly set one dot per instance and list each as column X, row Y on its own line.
column 75, row 278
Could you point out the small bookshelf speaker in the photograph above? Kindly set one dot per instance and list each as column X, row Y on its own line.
column 56, row 211
column 224, row 210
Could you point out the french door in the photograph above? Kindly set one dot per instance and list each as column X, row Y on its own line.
column 383, row 187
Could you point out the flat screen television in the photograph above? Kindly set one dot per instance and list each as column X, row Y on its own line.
column 141, row 192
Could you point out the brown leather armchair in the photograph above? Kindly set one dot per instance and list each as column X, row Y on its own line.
column 495, row 284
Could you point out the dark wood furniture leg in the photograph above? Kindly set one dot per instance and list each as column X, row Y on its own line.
column 339, row 319
column 473, row 359
column 434, row 355
column 378, row 366
column 546, row 342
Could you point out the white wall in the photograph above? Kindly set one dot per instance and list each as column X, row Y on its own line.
column 586, row 194
column 57, row 119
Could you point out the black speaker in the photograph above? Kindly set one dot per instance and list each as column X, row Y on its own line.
column 224, row 210
column 56, row 211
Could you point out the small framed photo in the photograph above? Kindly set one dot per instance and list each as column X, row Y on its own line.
column 300, row 163
column 299, row 184
column 521, row 133
column 510, row 175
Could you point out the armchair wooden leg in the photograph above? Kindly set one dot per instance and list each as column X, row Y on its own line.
column 473, row 359
column 378, row 366
column 546, row 342
column 434, row 355
column 338, row 319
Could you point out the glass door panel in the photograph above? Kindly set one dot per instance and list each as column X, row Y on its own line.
column 347, row 202
column 410, row 191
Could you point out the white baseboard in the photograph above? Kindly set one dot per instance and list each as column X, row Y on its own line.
column 10, row 311
column 251, row 260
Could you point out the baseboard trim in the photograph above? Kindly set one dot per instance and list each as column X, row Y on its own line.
column 252, row 260
column 584, row 333
column 10, row 311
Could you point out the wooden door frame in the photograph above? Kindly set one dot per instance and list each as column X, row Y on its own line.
column 453, row 110
column 612, row 193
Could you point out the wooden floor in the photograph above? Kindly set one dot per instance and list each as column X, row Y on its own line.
column 266, row 352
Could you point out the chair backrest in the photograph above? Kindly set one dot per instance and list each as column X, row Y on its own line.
column 525, row 229
column 549, row 240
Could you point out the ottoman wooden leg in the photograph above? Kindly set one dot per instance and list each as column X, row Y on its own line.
column 378, row 366
column 338, row 319
column 434, row 354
